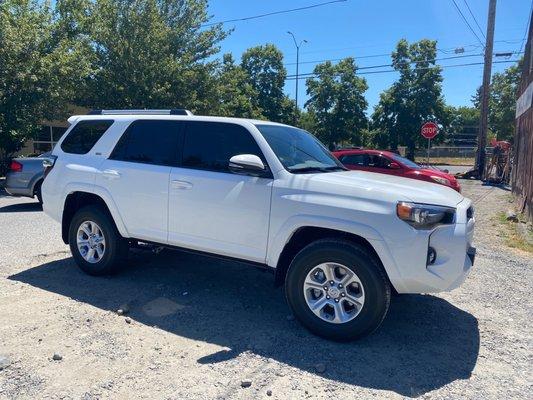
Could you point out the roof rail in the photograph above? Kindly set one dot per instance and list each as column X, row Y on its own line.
column 174, row 111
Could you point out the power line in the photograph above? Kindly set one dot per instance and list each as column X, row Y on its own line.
column 474, row 18
column 357, row 58
column 466, row 22
column 448, row 50
column 527, row 26
column 412, row 62
column 274, row 13
column 419, row 68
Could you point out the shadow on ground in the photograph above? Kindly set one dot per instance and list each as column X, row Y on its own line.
column 22, row 207
column 424, row 343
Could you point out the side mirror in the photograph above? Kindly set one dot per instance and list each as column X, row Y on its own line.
column 248, row 164
column 395, row 165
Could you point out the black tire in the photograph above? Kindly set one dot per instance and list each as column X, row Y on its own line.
column 38, row 192
column 116, row 247
column 369, row 271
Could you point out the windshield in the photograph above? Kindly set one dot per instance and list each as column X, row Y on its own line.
column 405, row 161
column 298, row 150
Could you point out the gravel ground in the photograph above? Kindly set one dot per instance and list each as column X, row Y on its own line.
column 199, row 328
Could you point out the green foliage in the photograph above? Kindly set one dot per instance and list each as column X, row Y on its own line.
column 153, row 54
column 264, row 66
column 337, row 102
column 41, row 69
column 235, row 92
column 502, row 105
column 412, row 100
column 463, row 119
column 502, row 101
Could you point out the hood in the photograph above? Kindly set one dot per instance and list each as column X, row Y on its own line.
column 437, row 172
column 382, row 186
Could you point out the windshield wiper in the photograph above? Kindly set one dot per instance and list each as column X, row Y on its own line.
column 317, row 169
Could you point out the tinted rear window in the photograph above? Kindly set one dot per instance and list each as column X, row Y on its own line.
column 210, row 145
column 354, row 159
column 84, row 135
column 150, row 142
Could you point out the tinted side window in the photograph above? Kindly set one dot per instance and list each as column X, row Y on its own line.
column 377, row 161
column 84, row 135
column 210, row 145
column 150, row 142
column 354, row 159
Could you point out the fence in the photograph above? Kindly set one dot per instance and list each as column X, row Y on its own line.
column 522, row 176
column 452, row 152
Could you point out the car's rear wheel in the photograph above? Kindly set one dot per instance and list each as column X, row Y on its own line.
column 338, row 289
column 95, row 243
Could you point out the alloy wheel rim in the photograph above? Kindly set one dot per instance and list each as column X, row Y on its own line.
column 334, row 293
column 91, row 241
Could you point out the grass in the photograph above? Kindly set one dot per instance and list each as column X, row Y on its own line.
column 462, row 161
column 513, row 238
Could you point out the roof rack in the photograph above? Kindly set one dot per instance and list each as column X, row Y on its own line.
column 174, row 111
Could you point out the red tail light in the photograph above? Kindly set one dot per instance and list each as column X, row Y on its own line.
column 15, row 166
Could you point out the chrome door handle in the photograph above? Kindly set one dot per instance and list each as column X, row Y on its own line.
column 183, row 185
column 111, row 174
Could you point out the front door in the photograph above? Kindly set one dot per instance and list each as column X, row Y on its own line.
column 212, row 209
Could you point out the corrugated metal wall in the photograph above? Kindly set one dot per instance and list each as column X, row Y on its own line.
column 522, row 177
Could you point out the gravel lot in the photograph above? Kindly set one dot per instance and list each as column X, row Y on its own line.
column 199, row 328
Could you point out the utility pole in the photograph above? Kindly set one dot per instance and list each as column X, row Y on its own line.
column 297, row 67
column 485, row 92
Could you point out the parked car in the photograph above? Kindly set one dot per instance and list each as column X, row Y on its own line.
column 386, row 162
column 25, row 176
column 268, row 194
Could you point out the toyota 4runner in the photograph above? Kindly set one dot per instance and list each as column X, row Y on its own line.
column 265, row 193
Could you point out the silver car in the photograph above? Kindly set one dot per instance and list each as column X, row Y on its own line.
column 25, row 176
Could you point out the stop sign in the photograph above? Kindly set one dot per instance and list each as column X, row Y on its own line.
column 429, row 130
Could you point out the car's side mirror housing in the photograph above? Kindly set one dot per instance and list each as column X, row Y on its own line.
column 395, row 165
column 247, row 164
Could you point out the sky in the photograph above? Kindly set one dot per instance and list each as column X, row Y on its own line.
column 361, row 28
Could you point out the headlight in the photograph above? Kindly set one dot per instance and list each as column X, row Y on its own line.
column 424, row 216
column 438, row 179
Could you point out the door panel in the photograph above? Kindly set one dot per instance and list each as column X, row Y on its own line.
column 223, row 213
column 137, row 176
column 140, row 192
column 212, row 209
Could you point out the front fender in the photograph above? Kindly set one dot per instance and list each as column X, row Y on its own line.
column 297, row 222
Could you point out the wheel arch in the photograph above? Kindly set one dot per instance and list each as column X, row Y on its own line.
column 305, row 235
column 78, row 199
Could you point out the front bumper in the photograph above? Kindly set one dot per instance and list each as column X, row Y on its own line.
column 454, row 260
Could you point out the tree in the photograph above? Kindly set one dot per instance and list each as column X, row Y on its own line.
column 236, row 95
column 41, row 68
column 264, row 66
column 502, row 101
column 153, row 54
column 464, row 124
column 337, row 102
column 416, row 97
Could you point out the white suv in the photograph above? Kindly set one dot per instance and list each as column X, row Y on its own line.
column 266, row 193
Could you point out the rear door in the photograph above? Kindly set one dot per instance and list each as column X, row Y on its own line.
column 212, row 209
column 137, row 176
column 356, row 161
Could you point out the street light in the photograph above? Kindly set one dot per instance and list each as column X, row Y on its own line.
column 297, row 65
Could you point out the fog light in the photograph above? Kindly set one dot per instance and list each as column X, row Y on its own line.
column 432, row 256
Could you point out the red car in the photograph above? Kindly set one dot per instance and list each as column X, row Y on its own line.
column 386, row 162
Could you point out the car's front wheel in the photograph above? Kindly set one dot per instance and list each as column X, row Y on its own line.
column 338, row 289
column 95, row 243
